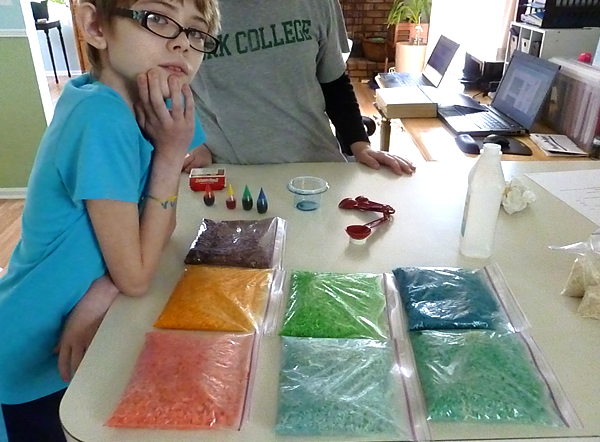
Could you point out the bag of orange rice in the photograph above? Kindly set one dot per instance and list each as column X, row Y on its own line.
column 227, row 299
column 187, row 380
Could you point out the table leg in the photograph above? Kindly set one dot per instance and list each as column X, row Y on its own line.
column 62, row 43
column 51, row 54
column 386, row 130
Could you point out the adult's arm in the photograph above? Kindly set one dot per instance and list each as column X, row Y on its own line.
column 342, row 109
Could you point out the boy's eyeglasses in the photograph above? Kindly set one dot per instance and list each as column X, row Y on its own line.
column 166, row 27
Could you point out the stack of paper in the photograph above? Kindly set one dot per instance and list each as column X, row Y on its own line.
column 405, row 102
column 557, row 145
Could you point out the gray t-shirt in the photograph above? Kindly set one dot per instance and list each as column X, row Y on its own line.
column 259, row 98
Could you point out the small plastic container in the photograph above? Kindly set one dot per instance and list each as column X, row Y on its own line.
column 307, row 191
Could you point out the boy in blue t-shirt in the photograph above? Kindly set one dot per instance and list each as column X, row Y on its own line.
column 101, row 198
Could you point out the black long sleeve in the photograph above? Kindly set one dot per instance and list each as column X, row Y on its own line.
column 343, row 111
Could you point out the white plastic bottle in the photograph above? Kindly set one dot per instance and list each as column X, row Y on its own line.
column 484, row 196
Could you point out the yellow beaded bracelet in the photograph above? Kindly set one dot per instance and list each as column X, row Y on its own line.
column 169, row 202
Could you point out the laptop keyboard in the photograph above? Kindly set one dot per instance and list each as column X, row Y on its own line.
column 486, row 120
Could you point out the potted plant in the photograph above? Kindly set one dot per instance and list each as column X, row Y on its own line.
column 407, row 20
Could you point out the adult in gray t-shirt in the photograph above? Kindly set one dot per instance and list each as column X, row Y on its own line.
column 260, row 97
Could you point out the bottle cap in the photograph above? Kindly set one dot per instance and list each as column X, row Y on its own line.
column 492, row 147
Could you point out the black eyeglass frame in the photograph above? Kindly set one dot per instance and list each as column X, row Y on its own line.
column 142, row 17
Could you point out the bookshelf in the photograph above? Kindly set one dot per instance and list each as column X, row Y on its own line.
column 547, row 43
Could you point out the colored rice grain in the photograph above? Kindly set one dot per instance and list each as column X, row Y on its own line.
column 335, row 387
column 187, row 381
column 335, row 305
column 447, row 298
column 217, row 298
column 479, row 375
column 234, row 243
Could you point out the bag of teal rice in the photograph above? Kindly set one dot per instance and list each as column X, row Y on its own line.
column 336, row 387
column 437, row 298
column 480, row 375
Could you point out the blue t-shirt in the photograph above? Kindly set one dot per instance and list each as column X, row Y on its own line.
column 93, row 149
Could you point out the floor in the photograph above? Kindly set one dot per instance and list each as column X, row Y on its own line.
column 56, row 89
column 10, row 228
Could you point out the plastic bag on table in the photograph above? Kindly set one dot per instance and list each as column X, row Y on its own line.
column 253, row 243
column 185, row 381
column 229, row 299
column 590, row 304
column 438, row 298
column 584, row 278
column 337, row 387
column 480, row 375
column 336, row 305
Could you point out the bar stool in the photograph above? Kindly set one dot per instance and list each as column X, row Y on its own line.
column 40, row 14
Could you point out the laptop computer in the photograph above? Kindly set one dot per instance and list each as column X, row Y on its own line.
column 516, row 105
column 432, row 73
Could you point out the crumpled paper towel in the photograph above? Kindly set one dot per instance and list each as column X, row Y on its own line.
column 516, row 196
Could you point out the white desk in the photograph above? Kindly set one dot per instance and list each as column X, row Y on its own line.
column 424, row 232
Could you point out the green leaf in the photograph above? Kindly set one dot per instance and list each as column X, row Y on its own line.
column 410, row 11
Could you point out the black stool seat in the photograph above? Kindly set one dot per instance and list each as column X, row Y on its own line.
column 46, row 26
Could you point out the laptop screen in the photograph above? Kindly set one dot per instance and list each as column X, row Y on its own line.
column 524, row 88
column 439, row 60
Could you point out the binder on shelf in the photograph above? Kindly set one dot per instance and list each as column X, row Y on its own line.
column 405, row 102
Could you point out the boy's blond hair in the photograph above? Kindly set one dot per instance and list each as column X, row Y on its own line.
column 105, row 10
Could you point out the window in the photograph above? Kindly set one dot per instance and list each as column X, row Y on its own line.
column 480, row 26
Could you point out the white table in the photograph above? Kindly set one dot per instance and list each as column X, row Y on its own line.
column 424, row 232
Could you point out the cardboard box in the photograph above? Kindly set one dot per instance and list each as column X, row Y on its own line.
column 199, row 178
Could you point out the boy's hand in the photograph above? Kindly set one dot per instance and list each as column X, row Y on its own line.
column 197, row 157
column 374, row 159
column 82, row 324
column 171, row 131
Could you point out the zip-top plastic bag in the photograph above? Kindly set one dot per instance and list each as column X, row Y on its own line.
column 256, row 244
column 481, row 375
column 187, row 380
column 230, row 299
column 444, row 298
column 584, row 279
column 336, row 305
column 337, row 387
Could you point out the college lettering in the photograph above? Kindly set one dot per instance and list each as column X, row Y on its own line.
column 259, row 39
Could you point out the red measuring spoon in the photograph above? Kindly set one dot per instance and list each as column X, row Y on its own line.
column 364, row 204
column 359, row 233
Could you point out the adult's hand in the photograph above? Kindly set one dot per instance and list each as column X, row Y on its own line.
column 363, row 153
column 197, row 157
